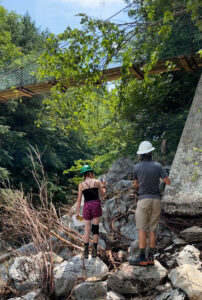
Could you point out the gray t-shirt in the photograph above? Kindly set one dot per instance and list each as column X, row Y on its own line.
column 148, row 174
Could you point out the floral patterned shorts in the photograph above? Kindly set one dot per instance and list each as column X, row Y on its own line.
column 92, row 209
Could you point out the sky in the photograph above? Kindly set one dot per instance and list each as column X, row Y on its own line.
column 56, row 15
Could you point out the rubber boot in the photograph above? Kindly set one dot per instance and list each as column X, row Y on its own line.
column 94, row 251
column 86, row 250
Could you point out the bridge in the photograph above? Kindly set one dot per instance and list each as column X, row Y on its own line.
column 26, row 84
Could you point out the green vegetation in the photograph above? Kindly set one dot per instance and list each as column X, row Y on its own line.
column 91, row 122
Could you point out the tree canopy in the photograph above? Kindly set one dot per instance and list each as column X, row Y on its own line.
column 117, row 120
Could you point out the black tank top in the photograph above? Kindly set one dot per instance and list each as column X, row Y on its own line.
column 91, row 194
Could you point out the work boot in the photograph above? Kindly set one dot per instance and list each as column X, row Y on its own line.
column 94, row 251
column 150, row 259
column 86, row 250
column 139, row 261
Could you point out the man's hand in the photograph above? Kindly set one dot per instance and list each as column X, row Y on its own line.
column 166, row 180
column 136, row 184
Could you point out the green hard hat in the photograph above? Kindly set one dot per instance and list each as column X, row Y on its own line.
column 85, row 168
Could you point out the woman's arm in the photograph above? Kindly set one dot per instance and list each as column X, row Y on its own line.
column 102, row 188
column 78, row 203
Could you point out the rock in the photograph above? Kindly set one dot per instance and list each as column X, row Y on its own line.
column 25, row 272
column 121, row 169
column 6, row 257
column 168, row 248
column 56, row 259
column 114, row 296
column 184, row 195
column 91, row 291
column 171, row 260
column 189, row 279
column 134, row 248
column 129, row 230
column 27, row 250
column 3, row 277
column 34, row 295
column 192, row 234
column 134, row 279
column 179, row 242
column 122, row 186
column 66, row 253
column 114, row 207
column 165, row 287
column 171, row 295
column 65, row 274
column 189, row 255
column 122, row 254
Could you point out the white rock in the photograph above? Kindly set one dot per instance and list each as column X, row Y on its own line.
column 65, row 274
column 91, row 291
column 134, row 279
column 25, row 272
column 189, row 255
column 165, row 287
column 114, row 296
column 189, row 279
column 171, row 295
column 168, row 248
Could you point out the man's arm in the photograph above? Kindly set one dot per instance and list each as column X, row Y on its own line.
column 136, row 184
column 164, row 176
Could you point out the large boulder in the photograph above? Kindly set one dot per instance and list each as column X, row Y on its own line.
column 65, row 274
column 134, row 279
column 189, row 255
column 91, row 291
column 114, row 207
column 121, row 169
column 192, row 234
column 129, row 230
column 184, row 195
column 189, row 279
column 25, row 272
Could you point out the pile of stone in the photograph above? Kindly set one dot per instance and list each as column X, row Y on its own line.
column 176, row 275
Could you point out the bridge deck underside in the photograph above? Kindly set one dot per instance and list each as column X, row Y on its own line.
column 187, row 63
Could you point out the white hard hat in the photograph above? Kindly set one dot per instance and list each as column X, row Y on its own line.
column 145, row 147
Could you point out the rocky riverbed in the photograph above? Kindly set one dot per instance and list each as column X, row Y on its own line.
column 176, row 275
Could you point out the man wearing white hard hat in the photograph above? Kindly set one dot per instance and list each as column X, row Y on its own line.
column 147, row 176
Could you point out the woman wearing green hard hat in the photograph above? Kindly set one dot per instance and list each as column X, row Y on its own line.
column 91, row 189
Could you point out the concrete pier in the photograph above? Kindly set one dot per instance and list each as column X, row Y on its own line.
column 184, row 195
